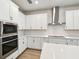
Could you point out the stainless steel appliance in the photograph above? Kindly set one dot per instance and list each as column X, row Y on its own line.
column 9, row 28
column 8, row 39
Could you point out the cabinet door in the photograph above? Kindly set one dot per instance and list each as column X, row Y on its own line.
column 24, row 42
column 39, row 21
column 21, row 45
column 4, row 9
column 36, row 43
column 43, row 21
column 43, row 40
column 76, row 19
column 30, row 42
column 13, row 11
column 36, row 21
column 28, row 21
column 21, row 20
column 69, row 19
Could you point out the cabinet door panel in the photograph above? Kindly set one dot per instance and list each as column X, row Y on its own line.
column 21, row 46
column 43, row 21
column 4, row 9
column 43, row 40
column 13, row 11
column 28, row 22
column 76, row 19
column 24, row 43
column 37, row 43
column 36, row 21
column 69, row 20
column 30, row 42
column 21, row 20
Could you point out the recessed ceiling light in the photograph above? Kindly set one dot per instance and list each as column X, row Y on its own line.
column 36, row 2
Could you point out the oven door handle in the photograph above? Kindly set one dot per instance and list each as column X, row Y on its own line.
column 9, row 41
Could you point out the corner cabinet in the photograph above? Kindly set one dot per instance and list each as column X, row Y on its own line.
column 36, row 22
column 4, row 9
column 72, row 20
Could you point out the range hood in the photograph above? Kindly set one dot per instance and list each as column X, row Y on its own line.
column 55, row 16
column 29, row 1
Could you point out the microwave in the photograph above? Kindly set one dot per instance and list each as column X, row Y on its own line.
column 9, row 28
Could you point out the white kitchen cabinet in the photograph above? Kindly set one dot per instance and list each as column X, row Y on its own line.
column 22, row 44
column 37, row 43
column 4, row 9
column 34, row 43
column 76, row 19
column 36, row 21
column 33, row 22
column 69, row 19
column 28, row 22
column 72, row 19
column 30, row 42
column 43, row 21
column 13, row 11
column 43, row 40
column 57, row 40
column 21, row 20
column 17, row 16
column 25, row 41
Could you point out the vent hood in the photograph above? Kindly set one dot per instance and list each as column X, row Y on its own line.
column 55, row 16
column 29, row 1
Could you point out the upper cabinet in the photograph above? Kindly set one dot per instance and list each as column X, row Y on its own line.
column 36, row 21
column 21, row 21
column 4, row 10
column 17, row 16
column 76, row 19
column 14, row 11
column 72, row 19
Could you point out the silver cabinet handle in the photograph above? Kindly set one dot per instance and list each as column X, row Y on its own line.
column 11, row 18
column 33, row 41
column 23, row 42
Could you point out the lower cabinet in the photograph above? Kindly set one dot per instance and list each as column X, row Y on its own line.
column 34, row 42
column 57, row 41
column 22, row 44
column 43, row 40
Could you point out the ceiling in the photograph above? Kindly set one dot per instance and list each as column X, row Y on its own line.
column 43, row 4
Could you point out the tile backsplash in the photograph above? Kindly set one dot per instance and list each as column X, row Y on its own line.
column 57, row 40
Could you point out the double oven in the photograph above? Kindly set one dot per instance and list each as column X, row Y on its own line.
column 8, row 39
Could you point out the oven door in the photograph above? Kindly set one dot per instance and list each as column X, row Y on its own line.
column 9, row 47
column 8, row 28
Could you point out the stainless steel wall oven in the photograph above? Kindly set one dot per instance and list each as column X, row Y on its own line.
column 8, row 38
